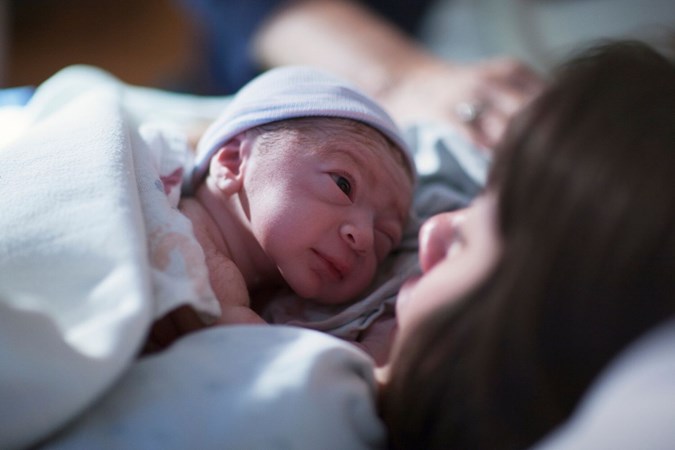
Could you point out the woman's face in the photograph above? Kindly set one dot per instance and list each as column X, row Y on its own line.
column 457, row 250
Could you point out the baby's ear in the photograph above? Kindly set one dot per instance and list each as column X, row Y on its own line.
column 226, row 165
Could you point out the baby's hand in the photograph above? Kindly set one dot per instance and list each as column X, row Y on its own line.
column 166, row 330
column 184, row 320
column 239, row 315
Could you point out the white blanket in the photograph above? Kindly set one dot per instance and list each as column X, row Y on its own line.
column 91, row 251
column 74, row 287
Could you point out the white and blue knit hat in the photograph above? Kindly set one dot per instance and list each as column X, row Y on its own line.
column 292, row 92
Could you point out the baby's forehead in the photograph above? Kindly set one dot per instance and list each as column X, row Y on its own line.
column 362, row 149
column 291, row 92
column 382, row 163
column 377, row 146
column 335, row 134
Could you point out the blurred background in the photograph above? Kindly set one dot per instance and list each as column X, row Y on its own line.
column 543, row 32
column 143, row 42
column 155, row 42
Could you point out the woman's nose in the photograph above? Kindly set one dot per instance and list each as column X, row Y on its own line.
column 358, row 234
column 437, row 237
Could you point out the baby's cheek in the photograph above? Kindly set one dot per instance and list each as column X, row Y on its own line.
column 367, row 274
column 383, row 247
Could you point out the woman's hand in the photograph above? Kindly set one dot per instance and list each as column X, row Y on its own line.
column 477, row 99
column 413, row 84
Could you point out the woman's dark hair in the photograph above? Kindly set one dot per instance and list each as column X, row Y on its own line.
column 586, row 212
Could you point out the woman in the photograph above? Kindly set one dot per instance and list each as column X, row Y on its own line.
column 566, row 260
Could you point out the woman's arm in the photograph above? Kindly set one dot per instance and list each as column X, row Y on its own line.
column 414, row 85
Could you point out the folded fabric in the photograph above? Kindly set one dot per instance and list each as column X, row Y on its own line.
column 91, row 253
column 74, row 294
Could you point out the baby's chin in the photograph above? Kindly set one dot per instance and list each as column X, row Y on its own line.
column 336, row 295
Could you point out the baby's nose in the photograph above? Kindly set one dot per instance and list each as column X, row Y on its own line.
column 437, row 236
column 358, row 234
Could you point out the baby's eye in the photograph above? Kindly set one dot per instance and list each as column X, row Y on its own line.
column 343, row 183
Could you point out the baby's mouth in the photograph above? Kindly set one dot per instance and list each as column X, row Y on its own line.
column 334, row 267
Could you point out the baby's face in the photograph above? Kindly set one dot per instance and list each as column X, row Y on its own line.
column 327, row 207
